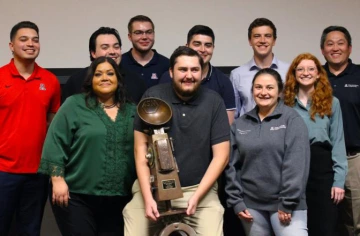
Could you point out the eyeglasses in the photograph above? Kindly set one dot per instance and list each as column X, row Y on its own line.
column 147, row 32
column 301, row 70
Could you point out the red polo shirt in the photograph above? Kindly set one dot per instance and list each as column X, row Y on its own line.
column 24, row 105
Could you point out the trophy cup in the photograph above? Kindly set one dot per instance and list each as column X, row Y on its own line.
column 164, row 176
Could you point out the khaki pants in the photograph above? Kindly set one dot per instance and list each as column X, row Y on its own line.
column 207, row 220
column 350, row 207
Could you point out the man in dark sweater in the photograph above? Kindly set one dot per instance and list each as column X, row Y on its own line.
column 106, row 42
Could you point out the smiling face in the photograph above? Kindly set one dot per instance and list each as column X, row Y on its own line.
column 262, row 41
column 265, row 91
column 104, row 82
column 204, row 45
column 306, row 74
column 142, row 36
column 25, row 44
column 186, row 76
column 107, row 45
column 336, row 49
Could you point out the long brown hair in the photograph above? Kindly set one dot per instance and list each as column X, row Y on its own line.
column 321, row 98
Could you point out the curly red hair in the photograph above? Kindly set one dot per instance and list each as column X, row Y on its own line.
column 321, row 98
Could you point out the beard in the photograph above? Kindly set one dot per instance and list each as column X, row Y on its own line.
column 186, row 93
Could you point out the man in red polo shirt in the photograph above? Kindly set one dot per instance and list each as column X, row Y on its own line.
column 29, row 98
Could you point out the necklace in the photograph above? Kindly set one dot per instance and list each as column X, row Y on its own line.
column 107, row 106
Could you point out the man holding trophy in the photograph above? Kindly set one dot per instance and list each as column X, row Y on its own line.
column 200, row 130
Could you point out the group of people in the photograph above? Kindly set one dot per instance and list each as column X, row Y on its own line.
column 284, row 137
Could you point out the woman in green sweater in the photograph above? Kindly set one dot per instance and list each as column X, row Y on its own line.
column 88, row 153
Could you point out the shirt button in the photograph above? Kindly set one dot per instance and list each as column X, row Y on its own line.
column 183, row 114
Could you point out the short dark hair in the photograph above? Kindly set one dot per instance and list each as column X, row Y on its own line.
column 185, row 51
column 335, row 28
column 100, row 31
column 22, row 25
column 200, row 29
column 261, row 22
column 120, row 94
column 140, row 18
column 271, row 72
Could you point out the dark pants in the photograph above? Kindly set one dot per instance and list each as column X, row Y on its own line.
column 23, row 195
column 322, row 212
column 88, row 215
column 232, row 224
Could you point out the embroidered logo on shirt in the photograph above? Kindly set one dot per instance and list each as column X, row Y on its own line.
column 351, row 85
column 154, row 76
column 42, row 87
column 279, row 127
column 243, row 131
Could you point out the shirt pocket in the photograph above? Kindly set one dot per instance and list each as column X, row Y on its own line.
column 9, row 93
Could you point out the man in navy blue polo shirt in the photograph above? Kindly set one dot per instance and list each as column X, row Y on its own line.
column 201, row 38
column 344, row 76
column 141, row 58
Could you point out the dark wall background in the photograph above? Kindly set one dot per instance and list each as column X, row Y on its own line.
column 63, row 74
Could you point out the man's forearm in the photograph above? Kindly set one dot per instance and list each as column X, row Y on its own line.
column 142, row 168
column 231, row 115
column 143, row 174
column 216, row 167
column 49, row 118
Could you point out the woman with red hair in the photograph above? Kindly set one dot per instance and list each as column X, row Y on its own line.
column 309, row 92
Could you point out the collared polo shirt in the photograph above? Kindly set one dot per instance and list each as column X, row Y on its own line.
column 215, row 80
column 24, row 105
column 151, row 72
column 242, row 78
column 346, row 87
column 196, row 125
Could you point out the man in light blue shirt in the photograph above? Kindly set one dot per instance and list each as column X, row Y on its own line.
column 262, row 38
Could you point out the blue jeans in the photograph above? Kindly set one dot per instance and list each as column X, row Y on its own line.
column 23, row 195
column 266, row 222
